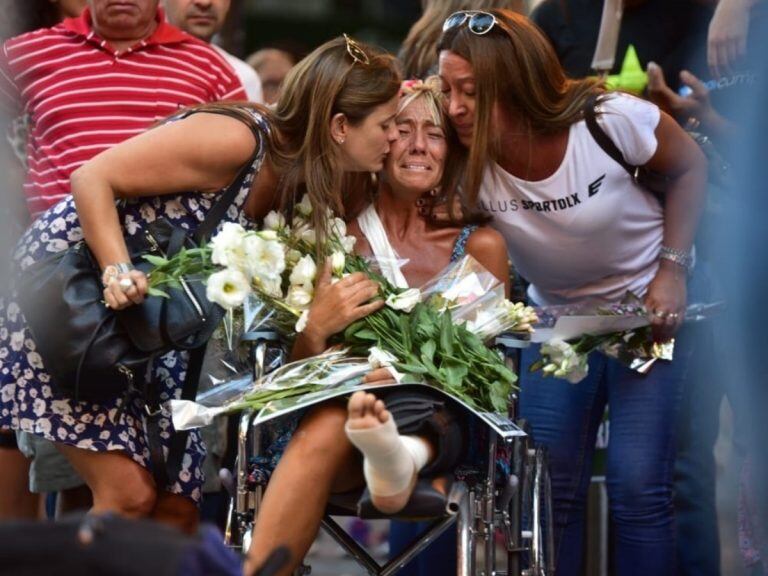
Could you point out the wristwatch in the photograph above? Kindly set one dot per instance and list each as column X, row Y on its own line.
column 112, row 271
column 679, row 257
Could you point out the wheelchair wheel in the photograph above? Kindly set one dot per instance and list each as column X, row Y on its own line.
column 533, row 554
column 267, row 354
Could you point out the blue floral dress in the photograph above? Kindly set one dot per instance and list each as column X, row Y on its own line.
column 27, row 401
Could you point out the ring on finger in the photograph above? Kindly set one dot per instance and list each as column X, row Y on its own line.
column 125, row 284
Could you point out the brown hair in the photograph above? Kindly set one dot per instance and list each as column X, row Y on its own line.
column 418, row 54
column 515, row 66
column 326, row 82
column 305, row 157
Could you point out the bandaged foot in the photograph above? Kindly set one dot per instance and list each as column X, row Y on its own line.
column 392, row 462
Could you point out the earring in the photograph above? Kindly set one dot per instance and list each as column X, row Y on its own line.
column 342, row 140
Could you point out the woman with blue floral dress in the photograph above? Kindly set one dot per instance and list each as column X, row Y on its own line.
column 335, row 116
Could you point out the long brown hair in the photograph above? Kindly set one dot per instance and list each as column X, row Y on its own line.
column 515, row 66
column 326, row 82
column 418, row 54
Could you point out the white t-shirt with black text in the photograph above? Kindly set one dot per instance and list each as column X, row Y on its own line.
column 587, row 231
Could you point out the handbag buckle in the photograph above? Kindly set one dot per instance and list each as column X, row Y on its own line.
column 152, row 413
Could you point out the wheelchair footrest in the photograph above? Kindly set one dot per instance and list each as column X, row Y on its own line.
column 427, row 501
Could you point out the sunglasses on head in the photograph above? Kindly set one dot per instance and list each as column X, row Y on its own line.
column 356, row 52
column 478, row 22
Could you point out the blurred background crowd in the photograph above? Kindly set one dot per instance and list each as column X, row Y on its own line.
column 699, row 60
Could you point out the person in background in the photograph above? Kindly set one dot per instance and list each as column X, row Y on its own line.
column 31, row 467
column 203, row 19
column 579, row 228
column 728, row 35
column 78, row 110
column 272, row 65
column 418, row 53
column 668, row 32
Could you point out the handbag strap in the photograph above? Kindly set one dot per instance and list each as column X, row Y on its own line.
column 165, row 470
column 219, row 209
column 602, row 139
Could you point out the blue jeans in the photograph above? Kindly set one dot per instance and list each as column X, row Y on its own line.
column 641, row 454
column 439, row 558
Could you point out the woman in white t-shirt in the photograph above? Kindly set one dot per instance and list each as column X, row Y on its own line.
column 578, row 228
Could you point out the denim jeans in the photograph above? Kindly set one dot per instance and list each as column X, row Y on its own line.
column 641, row 454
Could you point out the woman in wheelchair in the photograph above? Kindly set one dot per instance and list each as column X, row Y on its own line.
column 404, row 434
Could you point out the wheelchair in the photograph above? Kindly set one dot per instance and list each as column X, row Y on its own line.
column 511, row 498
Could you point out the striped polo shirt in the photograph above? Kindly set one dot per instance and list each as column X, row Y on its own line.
column 82, row 96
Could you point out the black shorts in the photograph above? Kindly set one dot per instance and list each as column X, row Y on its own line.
column 418, row 413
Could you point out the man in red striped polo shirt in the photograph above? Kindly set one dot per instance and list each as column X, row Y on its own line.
column 94, row 81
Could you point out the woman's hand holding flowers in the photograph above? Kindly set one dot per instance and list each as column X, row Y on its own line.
column 338, row 304
column 666, row 300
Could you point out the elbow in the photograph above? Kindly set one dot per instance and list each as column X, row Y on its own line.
column 78, row 182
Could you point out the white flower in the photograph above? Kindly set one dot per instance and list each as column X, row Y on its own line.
column 305, row 206
column 265, row 259
column 299, row 297
column 274, row 221
column 404, row 301
column 292, row 257
column 338, row 259
column 303, row 274
column 267, row 234
column 337, row 227
column 308, row 235
column 348, row 243
column 227, row 288
column 227, row 247
column 301, row 323
column 271, row 287
column 562, row 361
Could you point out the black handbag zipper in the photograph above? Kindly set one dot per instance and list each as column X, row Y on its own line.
column 154, row 246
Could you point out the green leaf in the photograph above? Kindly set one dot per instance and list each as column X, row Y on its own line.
column 412, row 368
column 157, row 292
column 365, row 334
column 155, row 260
column 446, row 333
column 428, row 351
column 455, row 374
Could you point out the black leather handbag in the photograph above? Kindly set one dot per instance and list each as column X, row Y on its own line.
column 94, row 353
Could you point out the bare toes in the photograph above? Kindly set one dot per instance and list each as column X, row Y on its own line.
column 356, row 405
column 370, row 402
column 380, row 411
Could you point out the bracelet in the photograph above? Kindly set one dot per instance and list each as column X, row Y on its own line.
column 679, row 257
column 112, row 271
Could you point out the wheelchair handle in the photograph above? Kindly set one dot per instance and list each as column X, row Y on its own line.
column 456, row 495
